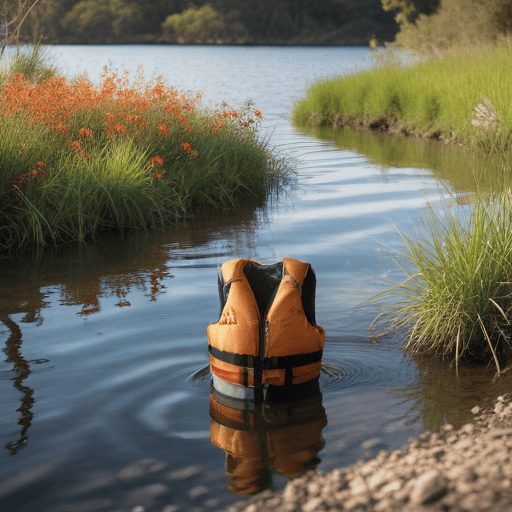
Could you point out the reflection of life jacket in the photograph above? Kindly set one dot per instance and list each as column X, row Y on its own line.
column 284, row 438
column 266, row 334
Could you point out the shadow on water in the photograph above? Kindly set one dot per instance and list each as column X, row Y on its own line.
column 441, row 395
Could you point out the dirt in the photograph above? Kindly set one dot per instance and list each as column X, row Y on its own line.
column 469, row 469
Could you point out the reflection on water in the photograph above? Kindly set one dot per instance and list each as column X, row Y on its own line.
column 22, row 369
column 271, row 437
column 441, row 394
column 461, row 170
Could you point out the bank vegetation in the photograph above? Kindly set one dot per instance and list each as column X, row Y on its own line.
column 78, row 158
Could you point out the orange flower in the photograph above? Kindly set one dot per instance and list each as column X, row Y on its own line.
column 162, row 128
column 40, row 165
column 86, row 133
column 158, row 175
column 186, row 147
column 193, row 154
column 158, row 160
column 76, row 144
column 258, row 113
column 234, row 114
column 35, row 173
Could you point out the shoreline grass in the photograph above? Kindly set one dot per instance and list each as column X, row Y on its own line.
column 433, row 97
column 456, row 299
column 78, row 158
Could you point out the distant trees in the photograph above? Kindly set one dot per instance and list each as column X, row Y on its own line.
column 203, row 25
column 454, row 22
column 233, row 21
column 100, row 20
column 13, row 14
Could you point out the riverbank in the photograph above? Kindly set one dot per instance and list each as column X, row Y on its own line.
column 458, row 96
column 469, row 469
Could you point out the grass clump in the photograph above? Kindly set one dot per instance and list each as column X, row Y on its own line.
column 30, row 61
column 432, row 97
column 78, row 158
column 456, row 300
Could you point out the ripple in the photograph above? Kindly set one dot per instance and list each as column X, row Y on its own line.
column 350, row 363
column 347, row 363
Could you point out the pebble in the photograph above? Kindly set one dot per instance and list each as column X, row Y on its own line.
column 465, row 470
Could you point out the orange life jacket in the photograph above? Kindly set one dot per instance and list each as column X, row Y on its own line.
column 266, row 334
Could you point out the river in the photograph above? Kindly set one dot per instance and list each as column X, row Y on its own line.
column 104, row 385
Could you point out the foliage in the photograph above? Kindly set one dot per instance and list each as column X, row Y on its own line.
column 459, row 23
column 196, row 25
column 407, row 11
column 32, row 62
column 100, row 20
column 77, row 158
column 434, row 98
column 466, row 23
column 338, row 21
column 456, row 300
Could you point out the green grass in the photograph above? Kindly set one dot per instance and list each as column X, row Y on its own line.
column 434, row 97
column 456, row 299
column 122, row 155
column 31, row 61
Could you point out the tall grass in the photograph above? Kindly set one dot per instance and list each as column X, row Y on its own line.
column 77, row 158
column 32, row 62
column 456, row 299
column 433, row 97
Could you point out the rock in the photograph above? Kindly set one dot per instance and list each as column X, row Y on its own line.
column 428, row 488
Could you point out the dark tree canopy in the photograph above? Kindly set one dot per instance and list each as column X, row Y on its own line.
column 247, row 21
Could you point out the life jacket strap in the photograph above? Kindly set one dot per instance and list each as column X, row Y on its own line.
column 269, row 363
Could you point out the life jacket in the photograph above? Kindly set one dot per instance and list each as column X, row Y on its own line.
column 266, row 334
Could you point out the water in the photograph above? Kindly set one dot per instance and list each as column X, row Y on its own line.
column 104, row 390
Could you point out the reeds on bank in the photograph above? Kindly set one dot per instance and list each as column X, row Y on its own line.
column 456, row 299
column 77, row 158
column 432, row 96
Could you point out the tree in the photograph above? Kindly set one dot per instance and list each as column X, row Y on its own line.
column 409, row 10
column 13, row 14
column 196, row 25
column 100, row 20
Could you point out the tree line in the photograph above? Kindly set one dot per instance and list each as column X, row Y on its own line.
column 200, row 21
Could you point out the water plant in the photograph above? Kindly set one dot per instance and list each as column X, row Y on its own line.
column 456, row 299
column 77, row 157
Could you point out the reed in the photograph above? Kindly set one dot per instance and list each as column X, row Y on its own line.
column 32, row 62
column 78, row 158
column 432, row 97
column 456, row 299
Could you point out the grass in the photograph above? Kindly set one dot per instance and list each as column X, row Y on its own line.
column 433, row 97
column 78, row 158
column 456, row 299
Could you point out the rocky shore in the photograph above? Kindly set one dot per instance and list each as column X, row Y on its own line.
column 464, row 470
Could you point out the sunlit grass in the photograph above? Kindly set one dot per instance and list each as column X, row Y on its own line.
column 434, row 97
column 456, row 299
column 77, row 158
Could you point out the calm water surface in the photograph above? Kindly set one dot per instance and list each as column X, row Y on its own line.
column 104, row 395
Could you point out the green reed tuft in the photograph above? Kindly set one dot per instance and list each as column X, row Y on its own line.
column 456, row 300
column 432, row 96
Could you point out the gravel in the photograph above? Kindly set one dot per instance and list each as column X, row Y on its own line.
column 469, row 469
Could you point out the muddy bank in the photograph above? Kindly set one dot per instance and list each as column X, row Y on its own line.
column 469, row 469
